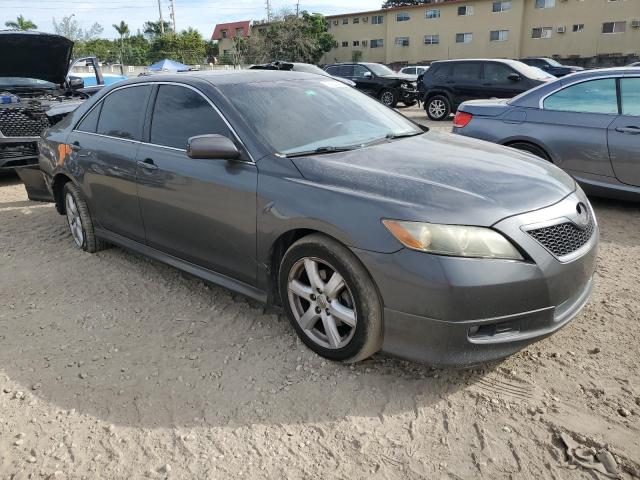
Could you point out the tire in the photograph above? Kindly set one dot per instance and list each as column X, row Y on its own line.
column 352, row 311
column 438, row 108
column 79, row 220
column 531, row 148
column 388, row 97
column 410, row 104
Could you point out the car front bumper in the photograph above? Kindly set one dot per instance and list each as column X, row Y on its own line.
column 407, row 95
column 18, row 152
column 462, row 311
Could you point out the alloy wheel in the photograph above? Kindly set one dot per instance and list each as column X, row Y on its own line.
column 387, row 98
column 322, row 303
column 437, row 108
column 74, row 220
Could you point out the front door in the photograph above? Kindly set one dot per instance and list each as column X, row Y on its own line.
column 624, row 134
column 106, row 144
column 496, row 82
column 202, row 211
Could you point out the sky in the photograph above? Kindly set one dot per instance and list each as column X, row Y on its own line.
column 200, row 14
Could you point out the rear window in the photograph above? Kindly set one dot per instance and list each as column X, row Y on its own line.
column 123, row 112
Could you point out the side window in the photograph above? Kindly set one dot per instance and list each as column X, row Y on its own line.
column 333, row 70
column 180, row 113
column 630, row 91
column 359, row 71
column 90, row 122
column 345, row 71
column 595, row 96
column 409, row 71
column 123, row 112
column 467, row 71
column 497, row 73
column 441, row 72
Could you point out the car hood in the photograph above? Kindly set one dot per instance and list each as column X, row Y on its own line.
column 442, row 178
column 35, row 55
column 401, row 76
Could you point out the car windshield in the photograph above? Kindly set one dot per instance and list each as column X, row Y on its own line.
column 308, row 68
column 304, row 116
column 379, row 69
column 21, row 82
column 552, row 62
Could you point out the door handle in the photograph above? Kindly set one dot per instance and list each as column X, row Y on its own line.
column 148, row 164
column 632, row 130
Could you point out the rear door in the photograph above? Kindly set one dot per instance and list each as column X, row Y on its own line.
column 106, row 143
column 624, row 134
column 573, row 125
column 202, row 211
column 465, row 82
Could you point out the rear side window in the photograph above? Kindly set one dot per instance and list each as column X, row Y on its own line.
column 123, row 112
column 332, row 70
column 467, row 71
column 90, row 122
column 595, row 96
column 630, row 91
column 179, row 114
column 497, row 73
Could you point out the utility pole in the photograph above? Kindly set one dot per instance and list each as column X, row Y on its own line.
column 298, row 8
column 173, row 15
column 161, row 19
column 269, row 12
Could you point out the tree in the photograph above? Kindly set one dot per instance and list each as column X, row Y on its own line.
column 69, row 27
column 187, row 47
column 122, row 29
column 21, row 23
column 356, row 56
column 152, row 29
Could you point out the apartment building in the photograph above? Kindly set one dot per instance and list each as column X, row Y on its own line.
column 597, row 31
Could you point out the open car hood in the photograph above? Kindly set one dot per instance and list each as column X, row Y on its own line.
column 35, row 55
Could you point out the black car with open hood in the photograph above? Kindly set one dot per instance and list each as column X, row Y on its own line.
column 36, row 91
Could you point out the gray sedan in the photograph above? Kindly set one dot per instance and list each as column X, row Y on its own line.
column 372, row 233
column 587, row 123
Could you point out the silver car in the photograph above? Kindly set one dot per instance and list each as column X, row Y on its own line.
column 587, row 123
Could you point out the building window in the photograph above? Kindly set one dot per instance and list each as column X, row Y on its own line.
column 499, row 35
column 402, row 17
column 431, row 39
column 501, row 6
column 239, row 32
column 542, row 32
column 377, row 20
column 378, row 43
column 614, row 27
column 345, row 44
column 464, row 37
column 345, row 21
column 225, row 33
column 402, row 41
column 336, row 22
column 545, row 3
column 356, row 43
column 356, row 20
column 578, row 27
column 466, row 10
column 365, row 43
column 433, row 13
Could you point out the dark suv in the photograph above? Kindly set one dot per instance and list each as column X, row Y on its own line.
column 448, row 83
column 551, row 66
column 378, row 81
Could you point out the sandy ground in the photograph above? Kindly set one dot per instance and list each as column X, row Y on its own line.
column 115, row 366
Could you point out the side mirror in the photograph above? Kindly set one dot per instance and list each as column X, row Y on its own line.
column 212, row 147
column 76, row 83
column 514, row 77
column 368, row 75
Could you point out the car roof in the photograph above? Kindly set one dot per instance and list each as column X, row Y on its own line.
column 458, row 60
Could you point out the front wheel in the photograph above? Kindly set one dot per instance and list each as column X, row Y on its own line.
column 330, row 299
column 389, row 98
column 438, row 108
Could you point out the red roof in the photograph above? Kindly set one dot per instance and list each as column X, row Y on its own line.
column 231, row 29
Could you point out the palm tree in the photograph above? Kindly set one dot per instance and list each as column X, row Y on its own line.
column 21, row 23
column 153, row 29
column 122, row 29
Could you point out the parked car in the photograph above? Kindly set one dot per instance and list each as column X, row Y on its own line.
column 634, row 64
column 35, row 91
column 448, row 83
column 370, row 231
column 413, row 72
column 587, row 124
column 299, row 67
column 378, row 81
column 551, row 66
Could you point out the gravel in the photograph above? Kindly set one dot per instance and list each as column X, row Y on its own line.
column 134, row 369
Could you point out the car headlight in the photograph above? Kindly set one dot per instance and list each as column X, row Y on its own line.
column 406, row 86
column 453, row 240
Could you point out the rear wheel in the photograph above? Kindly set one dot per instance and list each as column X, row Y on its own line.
column 80, row 221
column 330, row 299
column 531, row 148
column 389, row 98
column 438, row 108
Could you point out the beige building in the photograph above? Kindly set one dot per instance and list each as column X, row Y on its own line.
column 578, row 29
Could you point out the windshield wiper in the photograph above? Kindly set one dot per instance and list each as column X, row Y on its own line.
column 393, row 136
column 320, row 151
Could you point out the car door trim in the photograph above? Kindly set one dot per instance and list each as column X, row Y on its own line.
column 207, row 99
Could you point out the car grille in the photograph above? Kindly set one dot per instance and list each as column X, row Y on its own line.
column 564, row 238
column 20, row 122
